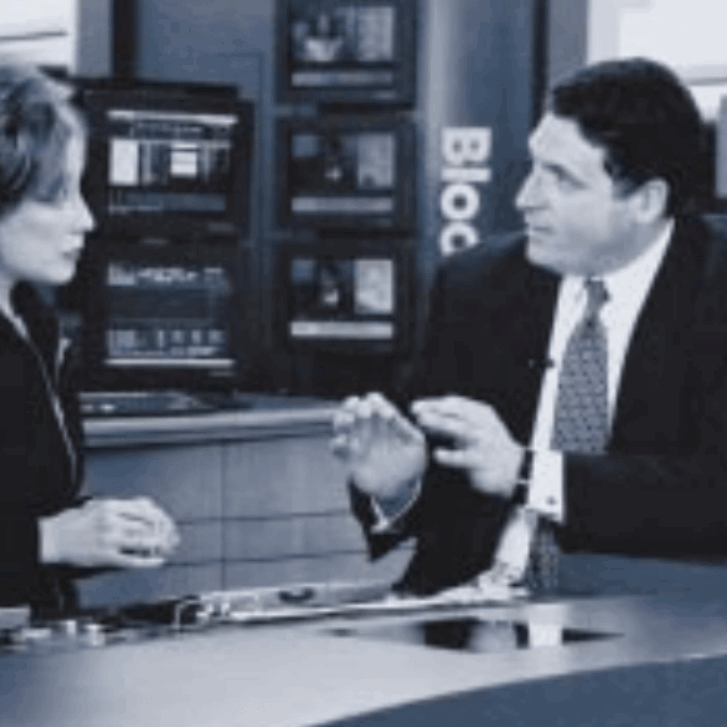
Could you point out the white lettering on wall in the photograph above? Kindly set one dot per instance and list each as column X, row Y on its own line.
column 466, row 153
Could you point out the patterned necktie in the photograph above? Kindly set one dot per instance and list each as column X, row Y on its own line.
column 580, row 423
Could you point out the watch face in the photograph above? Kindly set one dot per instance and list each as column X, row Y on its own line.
column 520, row 493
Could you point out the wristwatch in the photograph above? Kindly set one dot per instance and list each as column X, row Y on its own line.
column 522, row 483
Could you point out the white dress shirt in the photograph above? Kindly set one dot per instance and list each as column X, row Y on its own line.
column 627, row 289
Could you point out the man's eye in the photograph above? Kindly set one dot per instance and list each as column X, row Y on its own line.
column 563, row 179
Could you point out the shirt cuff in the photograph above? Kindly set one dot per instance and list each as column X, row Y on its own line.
column 545, row 494
column 389, row 512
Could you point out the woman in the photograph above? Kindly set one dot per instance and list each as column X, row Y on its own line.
column 47, row 532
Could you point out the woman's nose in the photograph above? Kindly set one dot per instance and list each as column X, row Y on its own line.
column 86, row 220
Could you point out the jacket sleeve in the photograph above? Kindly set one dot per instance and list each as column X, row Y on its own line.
column 21, row 470
column 455, row 527
column 36, row 477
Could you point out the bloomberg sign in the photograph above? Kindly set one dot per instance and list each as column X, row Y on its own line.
column 466, row 153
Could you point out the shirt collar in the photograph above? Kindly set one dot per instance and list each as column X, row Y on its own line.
column 631, row 280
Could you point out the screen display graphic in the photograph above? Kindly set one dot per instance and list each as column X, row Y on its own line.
column 161, row 162
column 167, row 315
column 342, row 299
column 346, row 50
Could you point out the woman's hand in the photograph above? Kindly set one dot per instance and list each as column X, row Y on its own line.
column 133, row 533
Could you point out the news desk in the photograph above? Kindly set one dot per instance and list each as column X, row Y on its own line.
column 655, row 660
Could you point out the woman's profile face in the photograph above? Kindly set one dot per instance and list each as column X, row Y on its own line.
column 41, row 241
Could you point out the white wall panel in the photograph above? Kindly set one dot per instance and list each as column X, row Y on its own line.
column 40, row 31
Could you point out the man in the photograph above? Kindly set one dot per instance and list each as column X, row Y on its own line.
column 515, row 441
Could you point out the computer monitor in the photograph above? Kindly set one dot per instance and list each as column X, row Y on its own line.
column 168, row 159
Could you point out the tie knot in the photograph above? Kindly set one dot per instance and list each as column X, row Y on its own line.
column 597, row 296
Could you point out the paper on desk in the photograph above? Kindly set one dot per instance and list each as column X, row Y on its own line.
column 249, row 607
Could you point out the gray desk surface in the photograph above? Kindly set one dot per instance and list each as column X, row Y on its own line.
column 294, row 674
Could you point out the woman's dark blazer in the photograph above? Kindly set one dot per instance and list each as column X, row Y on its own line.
column 37, row 475
column 661, row 488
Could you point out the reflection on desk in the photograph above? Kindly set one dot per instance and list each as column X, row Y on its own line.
column 475, row 633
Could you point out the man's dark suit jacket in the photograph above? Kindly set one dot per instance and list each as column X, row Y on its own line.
column 661, row 488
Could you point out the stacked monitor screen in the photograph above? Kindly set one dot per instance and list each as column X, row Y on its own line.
column 162, row 281
column 163, row 162
column 345, row 296
column 171, row 314
column 347, row 172
column 346, row 50
column 160, row 315
column 168, row 160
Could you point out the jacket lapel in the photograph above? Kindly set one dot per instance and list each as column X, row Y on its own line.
column 526, row 329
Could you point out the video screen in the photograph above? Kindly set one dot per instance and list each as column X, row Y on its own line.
column 346, row 172
column 342, row 173
column 168, row 315
column 342, row 298
column 360, row 49
column 162, row 162
column 329, row 36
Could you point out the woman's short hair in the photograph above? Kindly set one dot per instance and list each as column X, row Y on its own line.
column 37, row 120
column 645, row 119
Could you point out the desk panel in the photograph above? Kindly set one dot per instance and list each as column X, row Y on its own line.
column 258, row 496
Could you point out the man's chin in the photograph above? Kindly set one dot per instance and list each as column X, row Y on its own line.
column 536, row 251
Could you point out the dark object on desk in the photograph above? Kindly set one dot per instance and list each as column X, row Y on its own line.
column 174, row 402
column 13, row 617
column 141, row 403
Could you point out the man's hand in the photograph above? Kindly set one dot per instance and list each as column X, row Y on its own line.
column 482, row 444
column 384, row 451
column 133, row 533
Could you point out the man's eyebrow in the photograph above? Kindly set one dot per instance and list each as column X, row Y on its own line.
column 563, row 171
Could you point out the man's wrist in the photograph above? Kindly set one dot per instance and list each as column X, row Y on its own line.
column 546, row 493
column 47, row 541
column 391, row 505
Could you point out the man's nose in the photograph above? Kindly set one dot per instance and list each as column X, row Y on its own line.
column 529, row 195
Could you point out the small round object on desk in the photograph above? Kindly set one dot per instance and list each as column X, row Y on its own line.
column 68, row 627
column 94, row 634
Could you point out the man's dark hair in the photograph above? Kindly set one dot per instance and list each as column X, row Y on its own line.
column 644, row 118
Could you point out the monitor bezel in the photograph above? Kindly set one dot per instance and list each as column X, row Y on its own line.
column 402, row 90
column 100, row 374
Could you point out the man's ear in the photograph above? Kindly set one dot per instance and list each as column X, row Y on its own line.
column 650, row 200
